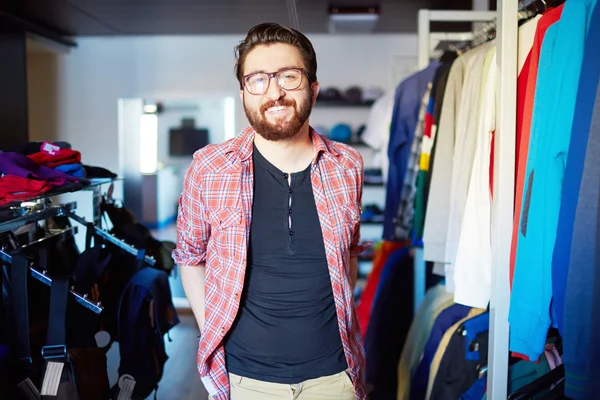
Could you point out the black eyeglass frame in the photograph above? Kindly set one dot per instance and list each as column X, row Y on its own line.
column 272, row 75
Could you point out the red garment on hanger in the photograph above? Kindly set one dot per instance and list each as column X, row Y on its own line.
column 363, row 308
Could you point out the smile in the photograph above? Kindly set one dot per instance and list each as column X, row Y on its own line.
column 277, row 109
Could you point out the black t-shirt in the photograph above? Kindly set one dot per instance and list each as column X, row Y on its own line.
column 286, row 330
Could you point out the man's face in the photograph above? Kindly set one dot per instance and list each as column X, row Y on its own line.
column 277, row 114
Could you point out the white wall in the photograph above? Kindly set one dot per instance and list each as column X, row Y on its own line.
column 207, row 113
column 74, row 96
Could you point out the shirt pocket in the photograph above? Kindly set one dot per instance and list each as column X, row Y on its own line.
column 227, row 237
column 350, row 221
column 224, row 217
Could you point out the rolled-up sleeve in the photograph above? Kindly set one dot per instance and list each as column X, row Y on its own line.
column 355, row 246
column 193, row 229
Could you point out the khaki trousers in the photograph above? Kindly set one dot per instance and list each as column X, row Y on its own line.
column 338, row 386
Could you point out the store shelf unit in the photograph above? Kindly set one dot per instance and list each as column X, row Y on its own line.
column 506, row 16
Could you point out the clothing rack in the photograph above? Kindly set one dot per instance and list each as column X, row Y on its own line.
column 481, row 34
column 38, row 215
column 140, row 253
column 42, row 211
column 425, row 17
column 506, row 16
column 45, row 279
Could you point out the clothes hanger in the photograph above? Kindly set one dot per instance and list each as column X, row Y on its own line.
column 448, row 55
column 557, row 393
column 542, row 383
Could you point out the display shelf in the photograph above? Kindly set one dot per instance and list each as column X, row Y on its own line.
column 69, row 188
column 374, row 184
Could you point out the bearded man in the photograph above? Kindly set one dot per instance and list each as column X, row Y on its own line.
column 268, row 239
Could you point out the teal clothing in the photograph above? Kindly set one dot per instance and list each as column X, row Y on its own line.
column 523, row 373
column 528, row 324
column 554, row 106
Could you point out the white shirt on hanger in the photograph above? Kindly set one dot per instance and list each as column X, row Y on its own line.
column 473, row 265
column 438, row 208
column 526, row 37
column 377, row 131
column 465, row 145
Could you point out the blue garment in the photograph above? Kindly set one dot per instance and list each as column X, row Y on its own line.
column 443, row 322
column 586, row 95
column 581, row 273
column 477, row 391
column 473, row 327
column 594, row 354
column 71, row 169
column 146, row 313
column 405, row 116
column 552, row 120
column 390, row 264
column 521, row 295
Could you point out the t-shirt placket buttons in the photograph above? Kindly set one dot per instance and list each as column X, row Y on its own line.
column 290, row 190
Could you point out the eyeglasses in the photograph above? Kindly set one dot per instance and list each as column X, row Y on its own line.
column 287, row 79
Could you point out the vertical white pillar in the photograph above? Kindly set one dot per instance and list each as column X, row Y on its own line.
column 502, row 208
column 420, row 272
column 424, row 39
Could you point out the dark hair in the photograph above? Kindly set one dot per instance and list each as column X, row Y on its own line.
column 269, row 33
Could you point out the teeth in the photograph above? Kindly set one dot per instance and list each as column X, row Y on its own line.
column 278, row 108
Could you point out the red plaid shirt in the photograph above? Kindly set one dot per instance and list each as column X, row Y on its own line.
column 215, row 211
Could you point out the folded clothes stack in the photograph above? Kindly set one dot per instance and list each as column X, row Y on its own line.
column 37, row 168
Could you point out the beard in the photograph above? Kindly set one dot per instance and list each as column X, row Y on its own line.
column 281, row 129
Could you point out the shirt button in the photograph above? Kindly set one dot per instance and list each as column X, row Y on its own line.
column 285, row 176
column 290, row 211
column 290, row 190
column 291, row 233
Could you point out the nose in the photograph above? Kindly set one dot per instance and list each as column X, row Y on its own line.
column 274, row 92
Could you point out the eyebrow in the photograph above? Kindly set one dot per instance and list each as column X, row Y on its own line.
column 280, row 69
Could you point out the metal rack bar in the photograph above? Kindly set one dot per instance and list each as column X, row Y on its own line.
column 45, row 279
column 71, row 231
column 79, row 298
column 113, row 239
column 425, row 17
column 53, row 211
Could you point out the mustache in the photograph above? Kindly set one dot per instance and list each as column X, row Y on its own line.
column 276, row 103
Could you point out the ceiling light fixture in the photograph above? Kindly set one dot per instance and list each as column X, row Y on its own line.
column 353, row 19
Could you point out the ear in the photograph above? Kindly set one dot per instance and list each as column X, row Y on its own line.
column 242, row 95
column 315, row 87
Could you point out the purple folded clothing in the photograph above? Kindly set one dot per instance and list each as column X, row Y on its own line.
column 20, row 165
